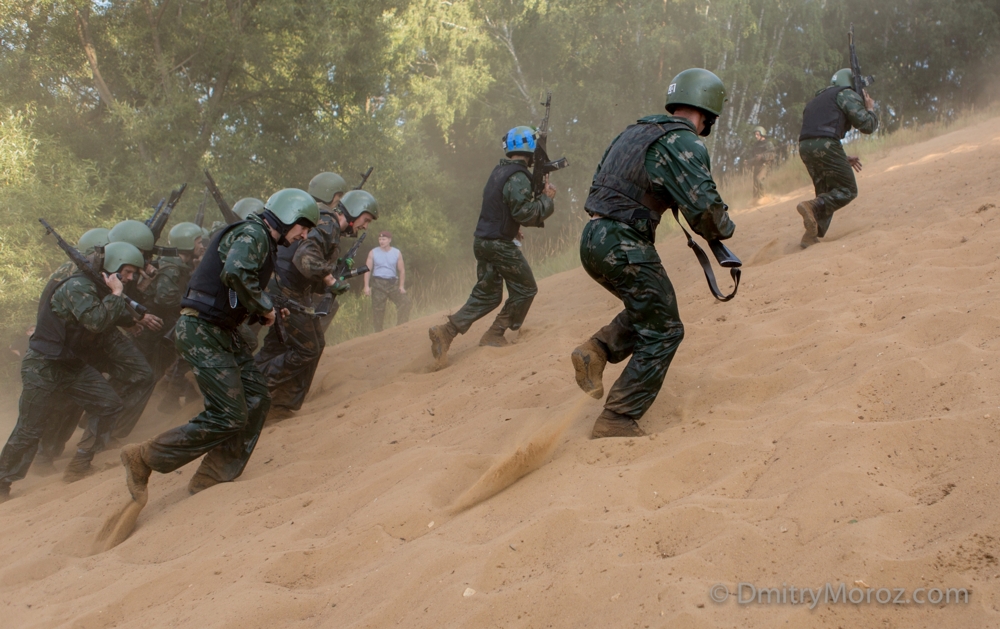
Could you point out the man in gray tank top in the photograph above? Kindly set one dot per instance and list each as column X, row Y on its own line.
column 388, row 281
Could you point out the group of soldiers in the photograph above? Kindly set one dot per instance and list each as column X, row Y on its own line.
column 284, row 257
column 91, row 354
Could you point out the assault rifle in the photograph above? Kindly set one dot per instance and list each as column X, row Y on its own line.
column 343, row 271
column 158, row 221
column 199, row 218
column 134, row 308
column 364, row 177
column 227, row 212
column 860, row 81
column 541, row 159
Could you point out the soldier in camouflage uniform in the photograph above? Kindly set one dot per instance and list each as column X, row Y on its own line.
column 225, row 289
column 302, row 270
column 826, row 120
column 71, row 330
column 657, row 164
column 508, row 204
column 166, row 291
column 761, row 158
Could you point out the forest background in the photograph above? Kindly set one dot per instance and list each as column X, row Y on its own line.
column 107, row 105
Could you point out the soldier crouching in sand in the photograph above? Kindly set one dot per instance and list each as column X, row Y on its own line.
column 654, row 165
column 225, row 289
column 508, row 203
column 826, row 120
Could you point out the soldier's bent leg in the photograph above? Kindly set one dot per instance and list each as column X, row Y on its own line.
column 227, row 461
column 212, row 353
column 486, row 294
column 88, row 389
column 289, row 374
column 833, row 178
column 521, row 286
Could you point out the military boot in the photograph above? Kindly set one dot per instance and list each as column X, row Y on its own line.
column 494, row 337
column 79, row 467
column 808, row 211
column 588, row 361
column 441, row 338
column 611, row 424
column 200, row 481
column 136, row 472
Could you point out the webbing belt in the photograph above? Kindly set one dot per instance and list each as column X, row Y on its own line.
column 723, row 255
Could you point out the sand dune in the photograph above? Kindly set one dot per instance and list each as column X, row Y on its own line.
column 837, row 422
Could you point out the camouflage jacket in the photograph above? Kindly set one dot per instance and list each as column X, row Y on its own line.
column 524, row 207
column 316, row 256
column 680, row 172
column 762, row 152
column 77, row 301
column 853, row 106
column 243, row 250
column 170, row 282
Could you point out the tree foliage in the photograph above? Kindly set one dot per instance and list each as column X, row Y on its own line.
column 107, row 104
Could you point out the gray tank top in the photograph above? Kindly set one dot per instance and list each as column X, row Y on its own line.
column 385, row 263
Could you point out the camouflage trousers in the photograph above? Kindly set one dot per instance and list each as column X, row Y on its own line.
column 832, row 176
column 46, row 386
column 384, row 290
column 498, row 261
column 236, row 403
column 131, row 377
column 624, row 261
column 158, row 350
column 289, row 367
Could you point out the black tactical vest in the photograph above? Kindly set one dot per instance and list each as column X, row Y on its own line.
column 622, row 189
column 822, row 118
column 210, row 297
column 55, row 338
column 495, row 221
column 288, row 274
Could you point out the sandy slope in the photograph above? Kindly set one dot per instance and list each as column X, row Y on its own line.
column 835, row 423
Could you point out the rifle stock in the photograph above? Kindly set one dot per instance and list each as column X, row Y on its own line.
column 227, row 212
column 364, row 177
column 860, row 81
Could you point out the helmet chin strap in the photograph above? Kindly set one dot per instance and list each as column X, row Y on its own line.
column 282, row 229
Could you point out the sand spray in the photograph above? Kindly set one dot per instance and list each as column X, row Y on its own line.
column 528, row 457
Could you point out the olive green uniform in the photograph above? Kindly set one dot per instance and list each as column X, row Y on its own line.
column 499, row 261
column 826, row 161
column 48, row 383
column 236, row 396
column 289, row 367
column 164, row 301
column 622, row 258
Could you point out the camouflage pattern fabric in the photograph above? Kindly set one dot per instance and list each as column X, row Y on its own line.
column 826, row 161
column 289, row 368
column 498, row 261
column 383, row 290
column 130, row 375
column 520, row 200
column 317, row 255
column 236, row 403
column 622, row 260
column 66, row 417
column 46, row 385
column 167, row 290
column 243, row 250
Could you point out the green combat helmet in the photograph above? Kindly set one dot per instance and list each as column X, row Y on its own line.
column 761, row 130
column 246, row 207
column 118, row 254
column 184, row 235
column 357, row 202
column 325, row 186
column 293, row 206
column 843, row 78
column 134, row 233
column 92, row 239
column 697, row 88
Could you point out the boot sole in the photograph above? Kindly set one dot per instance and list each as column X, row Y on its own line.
column 808, row 221
column 584, row 379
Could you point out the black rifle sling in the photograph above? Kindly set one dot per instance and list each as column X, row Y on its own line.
column 706, row 266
